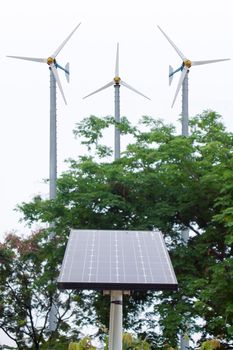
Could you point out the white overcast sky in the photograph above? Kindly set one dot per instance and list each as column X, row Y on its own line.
column 36, row 28
column 202, row 29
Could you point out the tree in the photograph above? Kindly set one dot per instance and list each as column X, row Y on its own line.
column 27, row 267
column 169, row 182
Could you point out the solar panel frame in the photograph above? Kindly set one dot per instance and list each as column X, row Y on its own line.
column 117, row 260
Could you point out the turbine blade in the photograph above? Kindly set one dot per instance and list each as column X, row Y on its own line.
column 43, row 60
column 102, row 88
column 117, row 62
column 198, row 63
column 182, row 76
column 182, row 56
column 131, row 88
column 64, row 42
column 56, row 76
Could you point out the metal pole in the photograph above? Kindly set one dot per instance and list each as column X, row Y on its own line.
column 117, row 149
column 111, row 321
column 185, row 109
column 185, row 132
column 184, row 342
column 53, row 138
column 52, row 171
column 115, row 323
column 116, row 320
column 116, row 297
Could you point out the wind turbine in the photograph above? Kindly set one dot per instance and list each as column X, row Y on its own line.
column 117, row 82
column 115, row 324
column 54, row 79
column 183, row 81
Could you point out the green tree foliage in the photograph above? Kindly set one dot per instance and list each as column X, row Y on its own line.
column 211, row 344
column 83, row 344
column 27, row 268
column 169, row 182
column 130, row 342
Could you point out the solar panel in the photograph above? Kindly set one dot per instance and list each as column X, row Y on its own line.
column 116, row 260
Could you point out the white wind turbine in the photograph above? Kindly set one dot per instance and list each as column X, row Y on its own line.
column 117, row 82
column 54, row 79
column 183, row 81
column 115, row 326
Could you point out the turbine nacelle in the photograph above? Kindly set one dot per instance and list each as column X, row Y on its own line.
column 187, row 63
column 117, row 80
column 51, row 60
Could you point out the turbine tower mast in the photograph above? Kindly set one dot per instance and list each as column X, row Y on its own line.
column 53, row 138
column 54, row 81
column 183, row 81
column 117, row 148
column 185, row 107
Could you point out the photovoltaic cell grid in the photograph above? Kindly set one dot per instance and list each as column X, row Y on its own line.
column 116, row 260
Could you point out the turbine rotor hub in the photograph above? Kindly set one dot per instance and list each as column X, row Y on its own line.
column 117, row 80
column 51, row 60
column 188, row 63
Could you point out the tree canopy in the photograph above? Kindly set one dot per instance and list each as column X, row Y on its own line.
column 162, row 180
column 27, row 292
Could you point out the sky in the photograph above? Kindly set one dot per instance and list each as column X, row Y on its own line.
column 201, row 30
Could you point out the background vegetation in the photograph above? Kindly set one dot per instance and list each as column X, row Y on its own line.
column 162, row 180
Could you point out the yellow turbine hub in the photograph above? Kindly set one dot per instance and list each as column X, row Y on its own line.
column 117, row 80
column 188, row 63
column 50, row 60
